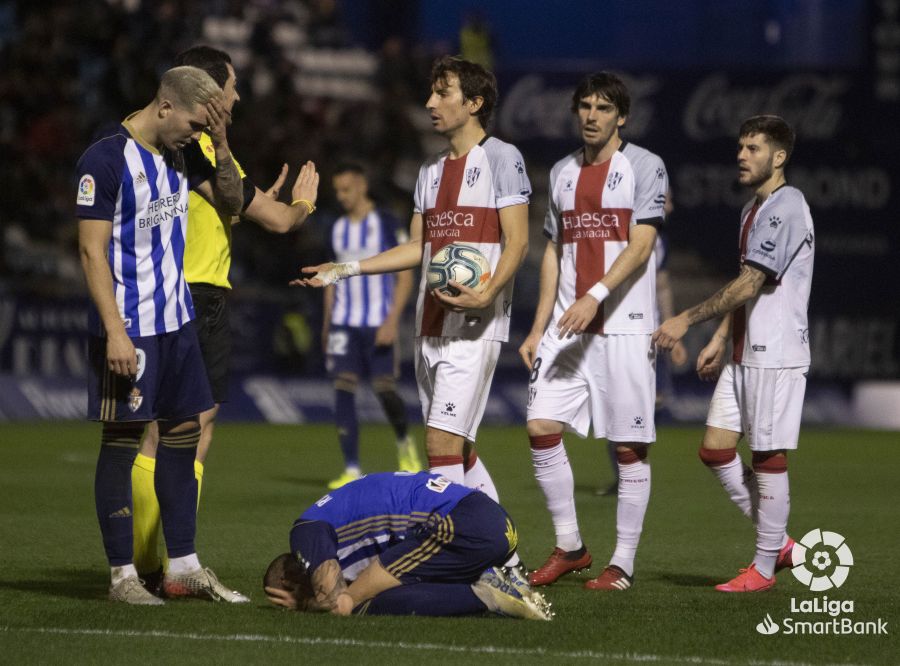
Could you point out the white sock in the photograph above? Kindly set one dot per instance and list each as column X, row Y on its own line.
column 739, row 481
column 179, row 565
column 117, row 574
column 513, row 560
column 634, row 495
column 771, row 528
column 479, row 478
column 352, row 470
column 554, row 476
column 453, row 472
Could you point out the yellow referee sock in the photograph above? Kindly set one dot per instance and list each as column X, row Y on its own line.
column 146, row 515
column 198, row 474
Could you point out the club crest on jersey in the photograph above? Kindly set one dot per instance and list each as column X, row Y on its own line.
column 135, row 399
column 86, row 191
column 613, row 181
column 472, row 174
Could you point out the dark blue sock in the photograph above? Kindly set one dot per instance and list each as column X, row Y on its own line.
column 395, row 411
column 112, row 489
column 434, row 599
column 176, row 489
column 347, row 425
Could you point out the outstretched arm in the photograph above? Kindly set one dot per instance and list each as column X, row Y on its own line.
column 398, row 258
column 734, row 294
column 273, row 215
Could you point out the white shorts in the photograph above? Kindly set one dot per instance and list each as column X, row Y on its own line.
column 765, row 404
column 454, row 378
column 605, row 380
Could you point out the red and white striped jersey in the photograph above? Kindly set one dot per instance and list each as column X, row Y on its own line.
column 459, row 201
column 591, row 209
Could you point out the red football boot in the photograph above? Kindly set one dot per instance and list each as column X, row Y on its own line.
column 785, row 557
column 748, row 580
column 612, row 578
column 559, row 564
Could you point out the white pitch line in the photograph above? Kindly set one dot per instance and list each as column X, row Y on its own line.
column 401, row 645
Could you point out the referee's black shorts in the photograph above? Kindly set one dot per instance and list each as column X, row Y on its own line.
column 214, row 332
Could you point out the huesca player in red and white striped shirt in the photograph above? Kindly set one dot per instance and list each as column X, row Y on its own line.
column 589, row 349
column 477, row 193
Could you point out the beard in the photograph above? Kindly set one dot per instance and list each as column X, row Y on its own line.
column 763, row 175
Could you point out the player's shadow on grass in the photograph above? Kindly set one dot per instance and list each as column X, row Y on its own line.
column 688, row 580
column 70, row 583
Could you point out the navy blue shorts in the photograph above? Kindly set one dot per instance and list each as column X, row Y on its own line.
column 352, row 350
column 456, row 548
column 171, row 382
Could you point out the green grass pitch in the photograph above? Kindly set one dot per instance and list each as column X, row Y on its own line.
column 53, row 578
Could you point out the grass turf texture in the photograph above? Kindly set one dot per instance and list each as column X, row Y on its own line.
column 53, row 578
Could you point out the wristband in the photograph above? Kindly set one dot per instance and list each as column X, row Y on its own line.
column 310, row 206
column 599, row 291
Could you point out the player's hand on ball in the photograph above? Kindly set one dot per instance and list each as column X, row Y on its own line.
column 671, row 331
column 467, row 299
column 529, row 348
column 576, row 319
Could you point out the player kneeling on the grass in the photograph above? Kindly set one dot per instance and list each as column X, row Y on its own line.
column 589, row 349
column 408, row 544
column 760, row 392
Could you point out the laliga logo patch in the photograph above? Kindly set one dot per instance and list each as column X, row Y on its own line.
column 822, row 560
column 472, row 175
column 86, row 191
column 141, row 363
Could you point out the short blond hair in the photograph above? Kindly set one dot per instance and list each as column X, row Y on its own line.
column 187, row 86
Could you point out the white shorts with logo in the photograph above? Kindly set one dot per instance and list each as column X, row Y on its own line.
column 454, row 378
column 765, row 404
column 605, row 380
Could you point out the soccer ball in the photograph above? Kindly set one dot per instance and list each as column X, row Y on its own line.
column 461, row 263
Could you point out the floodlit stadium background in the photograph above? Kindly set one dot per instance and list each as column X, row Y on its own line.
column 328, row 81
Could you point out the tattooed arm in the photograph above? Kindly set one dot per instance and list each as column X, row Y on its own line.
column 734, row 294
column 327, row 583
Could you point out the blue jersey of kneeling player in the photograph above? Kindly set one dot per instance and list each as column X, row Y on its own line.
column 376, row 511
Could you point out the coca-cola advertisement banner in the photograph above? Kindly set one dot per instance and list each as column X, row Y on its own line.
column 841, row 162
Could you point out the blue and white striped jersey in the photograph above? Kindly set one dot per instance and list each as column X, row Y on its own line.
column 144, row 194
column 376, row 511
column 363, row 300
